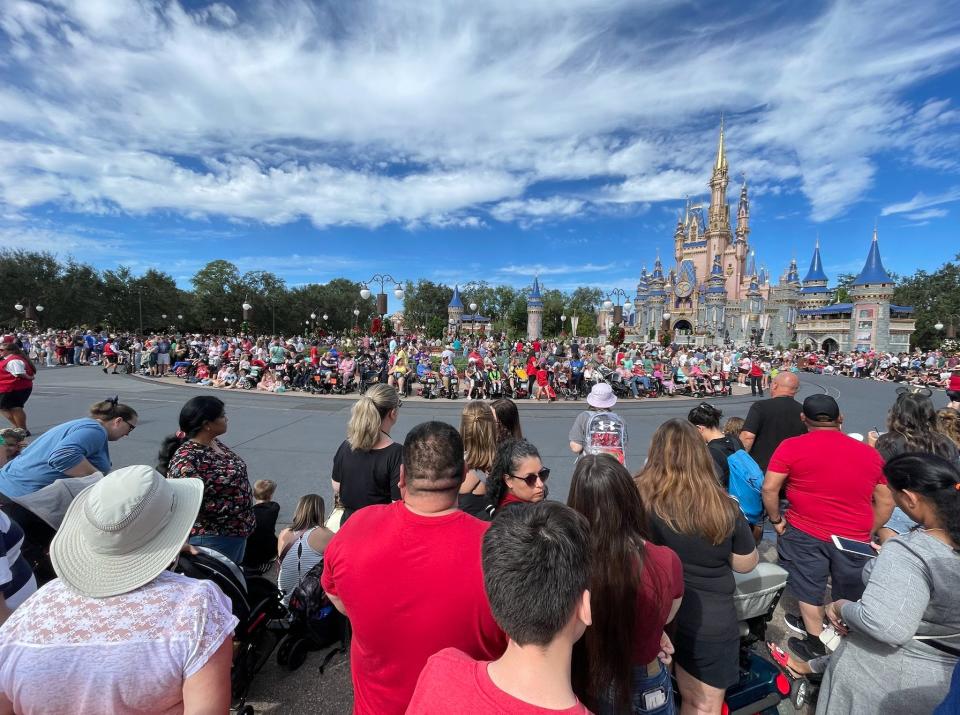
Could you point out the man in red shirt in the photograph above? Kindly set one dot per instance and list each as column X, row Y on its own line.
column 536, row 561
column 835, row 485
column 408, row 576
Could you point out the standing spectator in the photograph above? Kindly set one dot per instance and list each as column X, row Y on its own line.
column 690, row 512
column 771, row 421
column 366, row 466
column 163, row 355
column 508, row 419
column 835, row 486
column 226, row 515
column 616, row 663
column 478, row 429
column 517, row 475
column 16, row 382
column 900, row 646
column 756, row 378
column 435, row 580
column 539, row 555
column 590, row 435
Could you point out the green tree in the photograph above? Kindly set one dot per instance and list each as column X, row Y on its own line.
column 425, row 300
column 583, row 304
column 217, row 292
column 934, row 297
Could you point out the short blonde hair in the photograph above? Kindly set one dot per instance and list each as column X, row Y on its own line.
column 263, row 489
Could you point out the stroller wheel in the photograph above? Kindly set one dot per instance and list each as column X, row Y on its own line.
column 247, row 710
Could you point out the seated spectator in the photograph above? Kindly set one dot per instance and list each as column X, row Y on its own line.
column 900, row 646
column 301, row 545
column 616, row 664
column 690, row 512
column 517, row 475
column 435, row 583
column 17, row 581
column 539, row 555
column 261, row 550
column 116, row 612
column 12, row 442
column 835, row 486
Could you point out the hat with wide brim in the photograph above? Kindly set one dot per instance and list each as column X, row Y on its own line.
column 601, row 396
column 124, row 531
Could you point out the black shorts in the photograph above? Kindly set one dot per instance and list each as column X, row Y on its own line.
column 809, row 561
column 954, row 395
column 12, row 400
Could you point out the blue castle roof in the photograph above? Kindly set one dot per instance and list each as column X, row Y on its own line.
column 816, row 272
column 873, row 270
column 534, row 297
column 455, row 301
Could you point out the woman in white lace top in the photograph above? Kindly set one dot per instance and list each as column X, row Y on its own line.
column 117, row 633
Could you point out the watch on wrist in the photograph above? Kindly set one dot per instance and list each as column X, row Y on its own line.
column 777, row 522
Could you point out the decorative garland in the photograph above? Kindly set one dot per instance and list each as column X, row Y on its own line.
column 617, row 335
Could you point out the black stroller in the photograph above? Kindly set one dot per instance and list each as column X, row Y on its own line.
column 256, row 603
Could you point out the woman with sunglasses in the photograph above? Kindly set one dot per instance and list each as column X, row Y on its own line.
column 517, row 476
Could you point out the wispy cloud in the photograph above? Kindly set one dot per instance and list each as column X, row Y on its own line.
column 922, row 201
column 442, row 114
column 927, row 214
column 541, row 269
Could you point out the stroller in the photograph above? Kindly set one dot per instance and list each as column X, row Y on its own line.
column 429, row 388
column 256, row 603
column 564, row 389
column 762, row 685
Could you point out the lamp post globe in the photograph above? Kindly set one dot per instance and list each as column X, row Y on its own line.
column 325, row 316
column 179, row 316
column 226, row 320
column 563, row 318
column 246, row 306
column 356, row 312
column 473, row 307
column 163, row 316
column 18, row 306
column 365, row 292
column 628, row 305
column 608, row 304
column 398, row 292
column 313, row 316
column 938, row 326
column 39, row 308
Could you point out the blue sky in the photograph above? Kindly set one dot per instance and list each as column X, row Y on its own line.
column 458, row 139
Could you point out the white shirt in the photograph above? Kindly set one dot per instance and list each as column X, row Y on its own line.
column 62, row 653
column 16, row 367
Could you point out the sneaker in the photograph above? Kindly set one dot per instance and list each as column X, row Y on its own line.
column 795, row 623
column 807, row 648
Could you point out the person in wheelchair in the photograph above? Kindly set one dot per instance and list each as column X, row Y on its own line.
column 398, row 371
column 447, row 370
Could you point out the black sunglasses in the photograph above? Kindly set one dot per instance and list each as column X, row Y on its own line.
column 531, row 479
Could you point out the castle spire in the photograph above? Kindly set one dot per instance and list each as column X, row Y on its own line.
column 815, row 273
column 721, row 156
column 873, row 270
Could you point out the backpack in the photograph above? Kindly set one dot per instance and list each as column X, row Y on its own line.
column 606, row 434
column 746, row 481
column 309, row 604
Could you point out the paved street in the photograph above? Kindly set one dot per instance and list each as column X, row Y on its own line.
column 291, row 439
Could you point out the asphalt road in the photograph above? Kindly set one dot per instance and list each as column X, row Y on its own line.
column 291, row 439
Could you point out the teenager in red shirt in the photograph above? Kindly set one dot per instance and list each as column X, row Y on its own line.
column 536, row 563
column 408, row 576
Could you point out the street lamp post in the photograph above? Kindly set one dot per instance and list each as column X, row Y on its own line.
column 613, row 301
column 30, row 312
column 952, row 319
column 382, row 279
column 665, row 324
column 356, row 317
column 563, row 320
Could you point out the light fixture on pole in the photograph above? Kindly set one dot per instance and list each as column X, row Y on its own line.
column 382, row 279
column 247, row 309
column 563, row 320
column 356, row 317
column 616, row 295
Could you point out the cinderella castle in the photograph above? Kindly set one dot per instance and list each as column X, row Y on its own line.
column 715, row 293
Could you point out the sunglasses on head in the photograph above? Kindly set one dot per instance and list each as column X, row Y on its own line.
column 531, row 479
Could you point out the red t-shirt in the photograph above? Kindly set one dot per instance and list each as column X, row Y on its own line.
column 543, row 377
column 661, row 581
column 314, row 355
column 412, row 585
column 830, row 483
column 455, row 684
column 756, row 370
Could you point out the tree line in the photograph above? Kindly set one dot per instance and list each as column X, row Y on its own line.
column 75, row 294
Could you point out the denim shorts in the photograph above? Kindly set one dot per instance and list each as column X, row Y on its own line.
column 652, row 695
column 233, row 547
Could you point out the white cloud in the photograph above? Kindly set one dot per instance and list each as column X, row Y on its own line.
column 539, row 269
column 927, row 214
column 380, row 111
column 922, row 201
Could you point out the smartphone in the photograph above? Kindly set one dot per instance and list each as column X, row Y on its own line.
column 852, row 546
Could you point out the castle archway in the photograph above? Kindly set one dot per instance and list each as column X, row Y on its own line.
column 830, row 346
column 683, row 326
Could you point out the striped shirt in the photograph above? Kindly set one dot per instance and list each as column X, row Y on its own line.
column 16, row 578
column 290, row 575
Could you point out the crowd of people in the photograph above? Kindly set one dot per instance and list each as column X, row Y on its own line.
column 466, row 587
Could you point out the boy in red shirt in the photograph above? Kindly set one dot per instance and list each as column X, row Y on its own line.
column 536, row 562
column 408, row 576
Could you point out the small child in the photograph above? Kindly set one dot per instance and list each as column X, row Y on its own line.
column 543, row 384
column 261, row 551
column 733, row 426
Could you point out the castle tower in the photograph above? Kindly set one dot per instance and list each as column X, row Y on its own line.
column 871, row 293
column 639, row 315
column 716, row 300
column 719, row 213
column 743, row 216
column 782, row 307
column 679, row 234
column 815, row 293
column 455, row 308
column 534, row 312
column 656, row 298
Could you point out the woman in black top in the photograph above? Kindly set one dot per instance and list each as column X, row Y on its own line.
column 690, row 512
column 706, row 418
column 366, row 467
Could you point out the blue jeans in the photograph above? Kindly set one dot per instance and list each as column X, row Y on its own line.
column 647, row 689
column 639, row 380
column 232, row 547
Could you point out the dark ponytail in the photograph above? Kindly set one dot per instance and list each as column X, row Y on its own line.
column 934, row 478
column 704, row 415
column 197, row 412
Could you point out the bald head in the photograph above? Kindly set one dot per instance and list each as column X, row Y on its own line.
column 785, row 384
